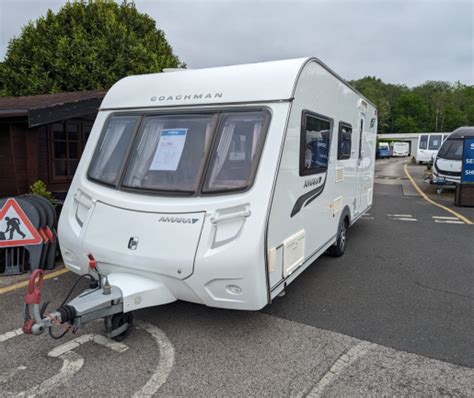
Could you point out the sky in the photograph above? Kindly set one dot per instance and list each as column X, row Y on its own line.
column 400, row 41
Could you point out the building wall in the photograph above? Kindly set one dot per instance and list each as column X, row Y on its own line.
column 18, row 158
column 7, row 175
column 27, row 155
column 18, row 136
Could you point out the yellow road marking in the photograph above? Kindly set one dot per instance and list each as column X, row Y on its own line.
column 428, row 199
column 25, row 283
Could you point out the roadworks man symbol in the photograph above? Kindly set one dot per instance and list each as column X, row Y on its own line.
column 15, row 227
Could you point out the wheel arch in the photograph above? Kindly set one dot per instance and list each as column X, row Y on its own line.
column 346, row 212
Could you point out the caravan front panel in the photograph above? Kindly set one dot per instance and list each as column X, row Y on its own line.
column 194, row 224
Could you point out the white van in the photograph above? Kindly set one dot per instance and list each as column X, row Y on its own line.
column 448, row 164
column 400, row 149
column 428, row 146
column 218, row 186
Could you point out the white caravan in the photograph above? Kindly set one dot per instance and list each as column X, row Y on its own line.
column 428, row 146
column 447, row 166
column 400, row 149
column 218, row 186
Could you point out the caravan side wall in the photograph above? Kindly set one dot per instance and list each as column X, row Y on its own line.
column 306, row 209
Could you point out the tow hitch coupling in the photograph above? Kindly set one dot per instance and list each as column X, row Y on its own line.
column 99, row 301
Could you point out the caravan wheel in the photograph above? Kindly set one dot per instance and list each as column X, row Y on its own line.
column 338, row 248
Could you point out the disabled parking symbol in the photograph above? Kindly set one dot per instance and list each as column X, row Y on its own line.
column 73, row 362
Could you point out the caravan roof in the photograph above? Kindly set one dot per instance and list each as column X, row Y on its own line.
column 258, row 82
column 461, row 132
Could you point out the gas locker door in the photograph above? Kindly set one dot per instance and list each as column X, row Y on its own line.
column 162, row 243
column 360, row 166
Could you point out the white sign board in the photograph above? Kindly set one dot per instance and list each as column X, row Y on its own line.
column 169, row 149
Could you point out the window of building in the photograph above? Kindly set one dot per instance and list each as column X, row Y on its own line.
column 344, row 142
column 315, row 143
column 67, row 140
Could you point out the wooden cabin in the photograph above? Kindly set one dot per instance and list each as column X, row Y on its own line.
column 42, row 138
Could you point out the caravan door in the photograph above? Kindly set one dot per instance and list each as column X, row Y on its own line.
column 359, row 175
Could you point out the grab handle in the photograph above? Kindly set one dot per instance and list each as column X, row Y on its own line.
column 78, row 198
column 231, row 216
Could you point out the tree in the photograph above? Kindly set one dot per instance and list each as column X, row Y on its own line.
column 85, row 46
column 384, row 96
column 410, row 113
column 431, row 106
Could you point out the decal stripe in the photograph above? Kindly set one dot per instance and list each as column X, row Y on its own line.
column 307, row 198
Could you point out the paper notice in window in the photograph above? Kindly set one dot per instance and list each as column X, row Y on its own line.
column 169, row 150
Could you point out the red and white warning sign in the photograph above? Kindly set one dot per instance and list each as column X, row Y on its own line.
column 15, row 227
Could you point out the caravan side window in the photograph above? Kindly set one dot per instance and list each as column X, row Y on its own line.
column 344, row 141
column 315, row 142
column 423, row 142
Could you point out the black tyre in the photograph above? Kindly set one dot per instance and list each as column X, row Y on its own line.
column 339, row 247
column 119, row 320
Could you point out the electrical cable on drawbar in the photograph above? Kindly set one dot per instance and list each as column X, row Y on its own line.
column 67, row 311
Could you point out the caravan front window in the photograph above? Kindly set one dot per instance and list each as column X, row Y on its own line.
column 170, row 153
column 234, row 159
column 435, row 142
column 111, row 150
column 451, row 150
column 182, row 153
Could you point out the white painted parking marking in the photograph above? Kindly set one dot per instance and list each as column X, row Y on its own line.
column 165, row 364
column 85, row 338
column 344, row 361
column 72, row 363
column 8, row 335
column 449, row 222
column 402, row 217
column 368, row 218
